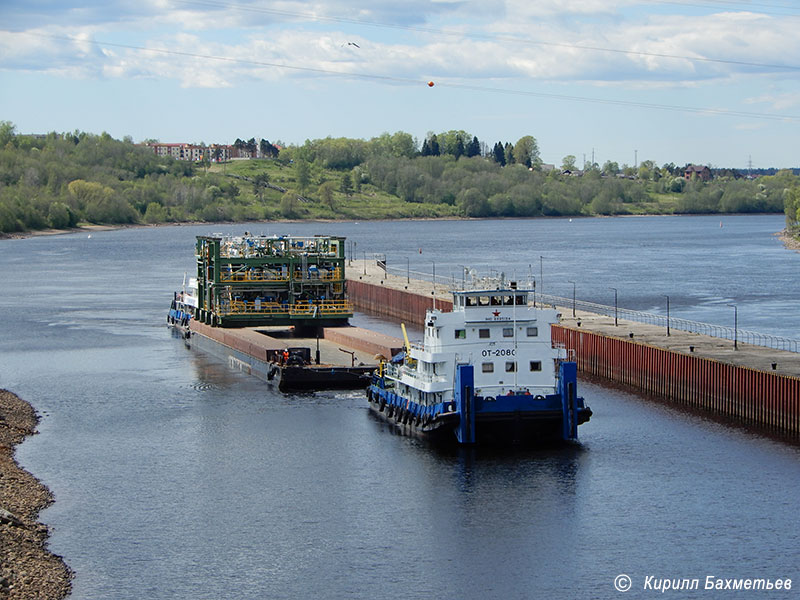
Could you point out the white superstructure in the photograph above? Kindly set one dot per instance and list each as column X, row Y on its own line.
column 498, row 331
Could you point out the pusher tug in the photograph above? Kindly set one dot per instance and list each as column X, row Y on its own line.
column 486, row 373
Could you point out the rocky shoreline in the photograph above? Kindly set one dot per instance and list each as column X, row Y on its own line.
column 27, row 568
column 791, row 242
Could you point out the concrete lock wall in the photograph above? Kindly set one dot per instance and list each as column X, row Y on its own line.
column 740, row 394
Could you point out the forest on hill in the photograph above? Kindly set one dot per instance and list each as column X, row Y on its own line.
column 60, row 180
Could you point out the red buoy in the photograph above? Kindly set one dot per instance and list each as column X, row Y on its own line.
column 430, row 84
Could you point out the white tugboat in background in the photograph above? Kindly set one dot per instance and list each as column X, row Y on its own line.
column 183, row 305
column 487, row 372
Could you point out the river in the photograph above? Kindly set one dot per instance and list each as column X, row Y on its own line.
column 177, row 477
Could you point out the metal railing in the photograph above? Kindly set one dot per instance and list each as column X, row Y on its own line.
column 240, row 276
column 251, row 275
column 240, row 307
column 397, row 372
column 719, row 331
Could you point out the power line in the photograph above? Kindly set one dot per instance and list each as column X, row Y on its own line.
column 412, row 81
column 481, row 36
column 257, row 63
column 668, row 107
column 737, row 5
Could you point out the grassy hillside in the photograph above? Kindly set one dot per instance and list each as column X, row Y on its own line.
column 60, row 180
column 366, row 204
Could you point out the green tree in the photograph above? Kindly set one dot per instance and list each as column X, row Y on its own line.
column 792, row 208
column 326, row 194
column 473, row 203
column 526, row 151
column 568, row 163
column 8, row 219
column 399, row 144
column 459, row 149
column 7, row 133
column 346, row 186
column 302, row 173
column 260, row 183
column 610, row 167
column 289, row 205
column 60, row 216
column 499, row 154
column 431, row 146
column 473, row 148
column 647, row 170
column 403, row 145
column 357, row 178
column 450, row 141
column 155, row 213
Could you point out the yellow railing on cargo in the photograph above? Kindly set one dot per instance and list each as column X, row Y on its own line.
column 241, row 307
column 252, row 276
column 334, row 275
column 334, row 307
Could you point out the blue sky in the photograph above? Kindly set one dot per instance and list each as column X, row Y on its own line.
column 714, row 82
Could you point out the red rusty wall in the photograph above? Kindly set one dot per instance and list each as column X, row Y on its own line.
column 741, row 394
column 396, row 304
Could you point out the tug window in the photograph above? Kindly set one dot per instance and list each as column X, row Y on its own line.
column 487, row 367
column 532, row 331
column 483, row 333
column 472, row 301
column 520, row 300
column 536, row 365
column 508, row 332
column 511, row 367
column 461, row 334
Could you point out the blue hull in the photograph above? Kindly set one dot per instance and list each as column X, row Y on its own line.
column 469, row 419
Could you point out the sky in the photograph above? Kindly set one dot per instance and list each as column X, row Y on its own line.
column 714, row 82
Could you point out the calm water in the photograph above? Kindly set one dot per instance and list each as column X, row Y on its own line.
column 176, row 477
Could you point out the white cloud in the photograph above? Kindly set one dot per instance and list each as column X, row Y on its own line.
column 777, row 101
column 653, row 51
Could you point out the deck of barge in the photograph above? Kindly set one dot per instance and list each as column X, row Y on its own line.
column 335, row 345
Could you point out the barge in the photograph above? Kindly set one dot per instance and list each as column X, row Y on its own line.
column 264, row 302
